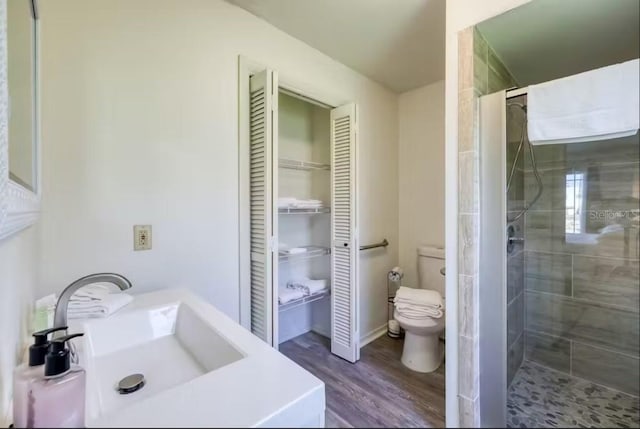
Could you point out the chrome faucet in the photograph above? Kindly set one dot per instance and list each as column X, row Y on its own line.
column 60, row 315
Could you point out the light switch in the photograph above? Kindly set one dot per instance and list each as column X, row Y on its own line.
column 142, row 237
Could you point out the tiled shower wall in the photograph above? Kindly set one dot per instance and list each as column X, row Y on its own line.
column 480, row 72
column 515, row 253
column 581, row 261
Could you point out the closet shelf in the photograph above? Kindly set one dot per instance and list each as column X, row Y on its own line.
column 302, row 165
column 294, row 210
column 311, row 252
column 304, row 300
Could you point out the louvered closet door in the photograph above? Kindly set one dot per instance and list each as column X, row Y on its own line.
column 263, row 136
column 344, row 254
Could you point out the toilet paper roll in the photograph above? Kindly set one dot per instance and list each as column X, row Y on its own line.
column 394, row 326
column 396, row 274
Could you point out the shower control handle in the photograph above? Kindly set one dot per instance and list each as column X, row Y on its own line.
column 512, row 239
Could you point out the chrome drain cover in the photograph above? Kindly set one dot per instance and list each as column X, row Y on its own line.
column 131, row 383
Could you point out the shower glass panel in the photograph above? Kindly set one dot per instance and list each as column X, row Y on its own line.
column 516, row 121
column 573, row 282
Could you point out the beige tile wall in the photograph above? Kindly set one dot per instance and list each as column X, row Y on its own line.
column 479, row 72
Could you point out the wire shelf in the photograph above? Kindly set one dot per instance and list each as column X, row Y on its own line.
column 302, row 165
column 311, row 252
column 304, row 300
column 297, row 210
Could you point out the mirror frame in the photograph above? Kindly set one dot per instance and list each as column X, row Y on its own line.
column 19, row 206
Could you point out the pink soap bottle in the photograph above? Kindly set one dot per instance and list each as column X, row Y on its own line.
column 57, row 399
column 25, row 374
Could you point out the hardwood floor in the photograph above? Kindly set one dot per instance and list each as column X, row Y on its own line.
column 377, row 391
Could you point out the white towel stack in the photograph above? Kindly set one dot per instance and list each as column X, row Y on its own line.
column 295, row 203
column 299, row 288
column 309, row 286
column 418, row 303
column 286, row 294
column 96, row 300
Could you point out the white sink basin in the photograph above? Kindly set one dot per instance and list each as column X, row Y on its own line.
column 201, row 369
column 169, row 345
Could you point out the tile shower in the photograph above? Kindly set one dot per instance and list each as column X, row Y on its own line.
column 573, row 283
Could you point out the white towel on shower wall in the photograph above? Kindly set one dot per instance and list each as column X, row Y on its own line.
column 595, row 105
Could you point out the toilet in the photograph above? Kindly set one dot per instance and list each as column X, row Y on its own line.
column 423, row 351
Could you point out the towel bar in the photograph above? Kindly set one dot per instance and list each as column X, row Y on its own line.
column 383, row 243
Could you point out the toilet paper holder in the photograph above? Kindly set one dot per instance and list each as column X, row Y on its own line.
column 393, row 281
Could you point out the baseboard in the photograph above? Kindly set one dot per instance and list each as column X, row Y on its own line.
column 320, row 331
column 373, row 335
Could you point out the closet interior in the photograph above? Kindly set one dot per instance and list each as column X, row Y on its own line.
column 302, row 216
column 304, row 220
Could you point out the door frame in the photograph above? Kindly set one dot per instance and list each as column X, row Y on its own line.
column 294, row 87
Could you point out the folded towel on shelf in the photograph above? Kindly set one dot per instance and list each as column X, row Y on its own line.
column 285, row 250
column 286, row 295
column 97, row 307
column 309, row 286
column 284, row 202
column 308, row 204
column 418, row 312
column 418, row 297
column 291, row 202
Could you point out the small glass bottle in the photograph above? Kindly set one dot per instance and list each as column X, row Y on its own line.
column 57, row 400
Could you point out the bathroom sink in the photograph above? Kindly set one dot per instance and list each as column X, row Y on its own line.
column 200, row 368
column 169, row 345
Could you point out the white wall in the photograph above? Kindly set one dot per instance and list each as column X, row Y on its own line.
column 421, row 173
column 460, row 14
column 140, row 126
column 18, row 261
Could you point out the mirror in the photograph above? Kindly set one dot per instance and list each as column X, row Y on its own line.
column 22, row 88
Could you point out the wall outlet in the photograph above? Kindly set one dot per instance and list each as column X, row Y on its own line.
column 141, row 237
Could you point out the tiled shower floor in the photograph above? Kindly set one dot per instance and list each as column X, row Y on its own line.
column 541, row 397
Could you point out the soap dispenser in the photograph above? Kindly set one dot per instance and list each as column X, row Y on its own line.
column 57, row 399
column 25, row 374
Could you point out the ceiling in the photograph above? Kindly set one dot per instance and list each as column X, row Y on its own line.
column 398, row 43
column 549, row 39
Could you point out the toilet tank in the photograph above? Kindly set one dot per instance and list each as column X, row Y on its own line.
column 430, row 262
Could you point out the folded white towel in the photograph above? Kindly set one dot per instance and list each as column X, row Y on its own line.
column 316, row 286
column 291, row 202
column 103, row 307
column 594, row 105
column 92, row 292
column 295, row 250
column 308, row 204
column 284, row 202
column 309, row 286
column 284, row 249
column 423, row 297
column 286, row 295
column 414, row 312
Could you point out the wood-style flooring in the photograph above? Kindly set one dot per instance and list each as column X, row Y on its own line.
column 377, row 391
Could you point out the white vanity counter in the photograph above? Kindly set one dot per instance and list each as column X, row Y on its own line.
column 201, row 369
